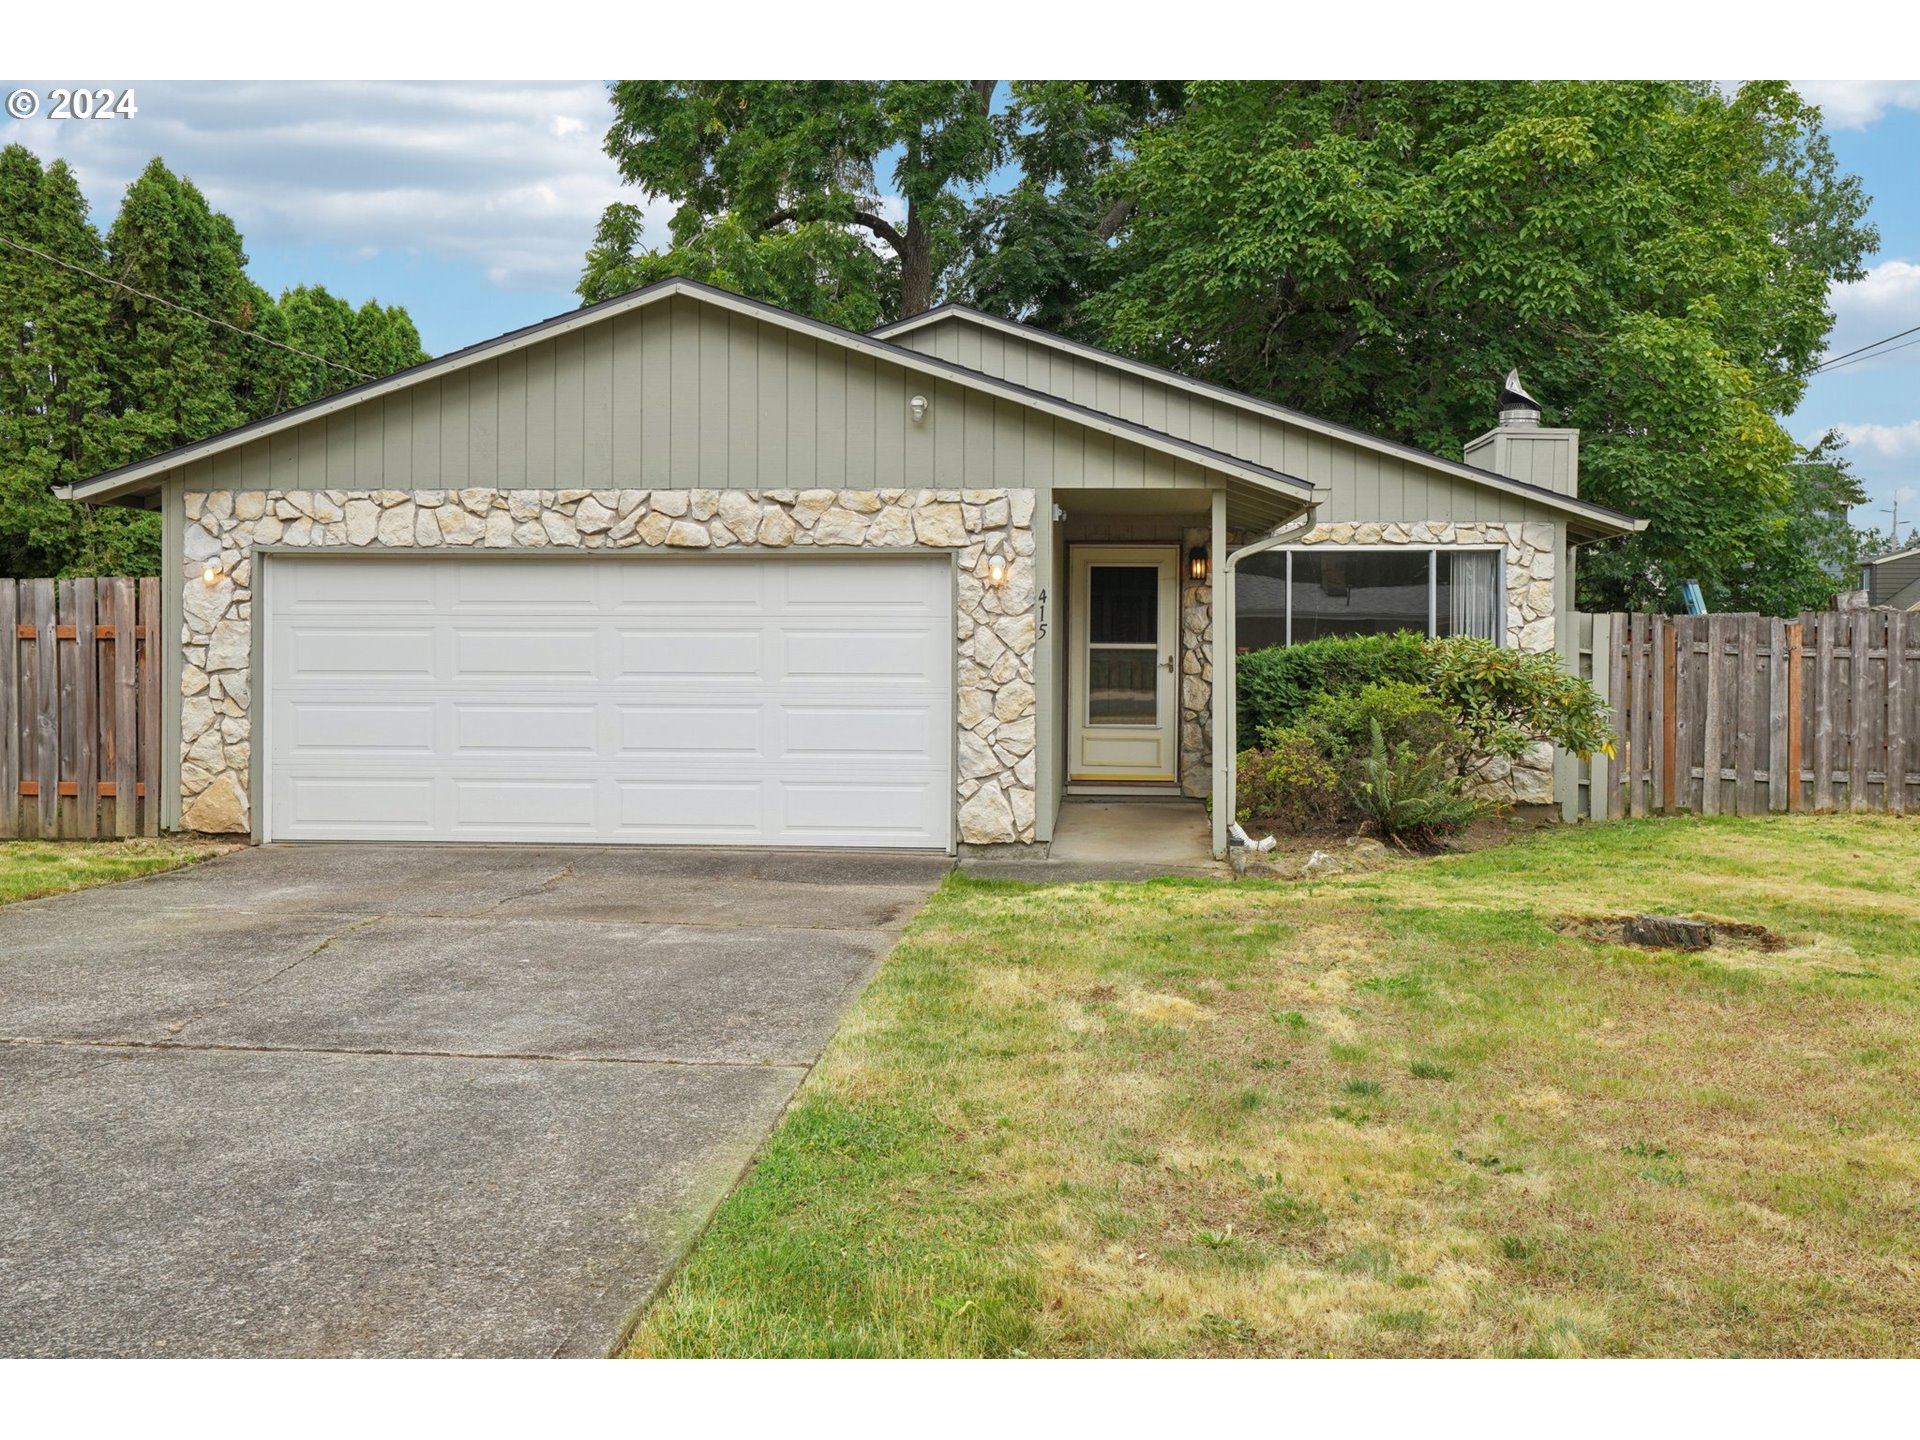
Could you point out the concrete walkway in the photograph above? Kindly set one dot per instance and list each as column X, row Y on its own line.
column 391, row 1100
column 1101, row 838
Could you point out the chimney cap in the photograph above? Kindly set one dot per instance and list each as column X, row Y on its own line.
column 1517, row 407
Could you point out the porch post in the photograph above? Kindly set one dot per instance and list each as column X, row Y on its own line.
column 1220, row 644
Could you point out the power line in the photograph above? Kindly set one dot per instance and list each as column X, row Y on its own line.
column 1875, row 356
column 183, row 309
column 1835, row 360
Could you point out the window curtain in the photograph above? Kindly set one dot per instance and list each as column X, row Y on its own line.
column 1473, row 605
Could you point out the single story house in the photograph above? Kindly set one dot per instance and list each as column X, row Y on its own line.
column 685, row 568
column 1893, row 581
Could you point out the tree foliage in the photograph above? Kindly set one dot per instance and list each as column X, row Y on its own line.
column 777, row 188
column 1654, row 257
column 96, row 374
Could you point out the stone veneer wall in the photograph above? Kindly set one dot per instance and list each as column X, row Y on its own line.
column 1531, row 551
column 994, row 627
column 1196, row 672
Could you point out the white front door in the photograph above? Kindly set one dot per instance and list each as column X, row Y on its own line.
column 1124, row 633
column 718, row 700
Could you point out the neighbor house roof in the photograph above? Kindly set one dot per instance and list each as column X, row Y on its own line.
column 1609, row 519
column 144, row 475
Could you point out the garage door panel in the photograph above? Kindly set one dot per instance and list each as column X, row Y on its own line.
column 816, row 731
column 743, row 722
column 509, row 588
column 692, row 587
column 361, row 585
column 386, row 727
column 676, row 811
column 862, row 813
column 510, row 806
column 338, row 653
column 524, row 730
column 555, row 652
column 691, row 730
column 346, row 807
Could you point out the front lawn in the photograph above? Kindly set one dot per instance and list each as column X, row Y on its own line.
column 1394, row 1114
column 29, row 868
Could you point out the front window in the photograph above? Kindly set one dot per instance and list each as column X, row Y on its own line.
column 1287, row 597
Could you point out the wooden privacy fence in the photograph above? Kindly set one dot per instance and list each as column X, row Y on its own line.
column 79, row 708
column 1745, row 714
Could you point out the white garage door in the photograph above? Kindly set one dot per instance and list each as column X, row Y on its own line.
column 705, row 701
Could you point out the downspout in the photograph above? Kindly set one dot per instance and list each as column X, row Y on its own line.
column 1226, row 686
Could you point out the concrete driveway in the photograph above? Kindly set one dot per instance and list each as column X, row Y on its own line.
column 403, row 1100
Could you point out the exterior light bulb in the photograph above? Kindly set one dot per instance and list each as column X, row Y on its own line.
column 918, row 407
column 210, row 576
column 996, row 572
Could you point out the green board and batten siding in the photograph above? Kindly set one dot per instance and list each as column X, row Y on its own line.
column 682, row 395
column 1360, row 483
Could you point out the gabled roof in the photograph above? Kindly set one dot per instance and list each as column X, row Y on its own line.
column 1897, row 555
column 145, row 474
column 1611, row 520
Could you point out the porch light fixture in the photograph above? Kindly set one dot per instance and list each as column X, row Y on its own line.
column 996, row 572
column 918, row 407
column 212, row 576
column 1197, row 564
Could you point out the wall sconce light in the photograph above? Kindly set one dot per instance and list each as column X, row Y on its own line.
column 918, row 407
column 996, row 572
column 212, row 576
column 1197, row 564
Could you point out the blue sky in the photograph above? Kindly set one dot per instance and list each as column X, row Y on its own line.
column 472, row 204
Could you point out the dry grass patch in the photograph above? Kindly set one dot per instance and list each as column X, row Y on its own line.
column 1399, row 1115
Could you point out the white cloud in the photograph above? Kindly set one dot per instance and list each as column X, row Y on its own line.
column 1855, row 104
column 1891, row 441
column 1883, row 303
column 510, row 177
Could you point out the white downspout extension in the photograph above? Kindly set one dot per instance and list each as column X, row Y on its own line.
column 1226, row 698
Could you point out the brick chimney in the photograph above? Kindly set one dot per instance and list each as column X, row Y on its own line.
column 1521, row 448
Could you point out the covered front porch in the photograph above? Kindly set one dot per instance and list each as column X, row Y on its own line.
column 1133, row 630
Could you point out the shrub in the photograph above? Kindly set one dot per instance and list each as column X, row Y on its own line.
column 1289, row 783
column 1412, row 797
column 1504, row 701
column 1278, row 684
column 1407, row 714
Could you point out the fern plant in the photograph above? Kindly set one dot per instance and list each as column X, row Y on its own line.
column 1412, row 797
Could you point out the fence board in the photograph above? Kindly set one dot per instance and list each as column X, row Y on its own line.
column 83, row 727
column 126, row 703
column 1778, row 782
column 1662, row 723
column 1600, row 768
column 1713, row 757
column 1859, row 642
column 1896, row 789
column 40, row 614
column 9, row 709
column 1686, row 673
column 1796, row 714
column 147, row 678
column 1746, row 729
column 1825, row 674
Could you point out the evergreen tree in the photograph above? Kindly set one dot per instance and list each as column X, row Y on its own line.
column 95, row 374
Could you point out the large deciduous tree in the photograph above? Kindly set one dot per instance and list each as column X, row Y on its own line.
column 1655, row 258
column 863, row 201
column 168, row 345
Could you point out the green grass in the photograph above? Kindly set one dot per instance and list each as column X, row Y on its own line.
column 1401, row 1115
column 30, row 868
